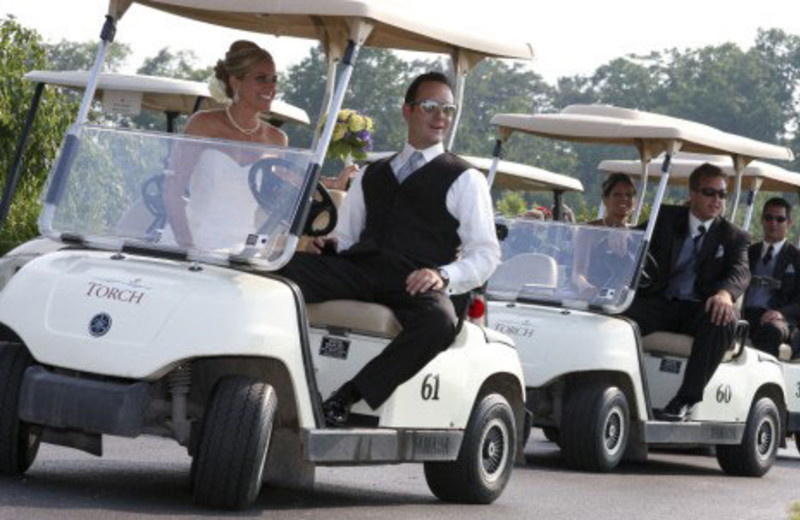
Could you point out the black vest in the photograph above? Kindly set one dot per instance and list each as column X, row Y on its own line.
column 411, row 219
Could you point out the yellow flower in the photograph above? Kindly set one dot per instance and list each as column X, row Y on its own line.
column 339, row 130
column 357, row 123
column 369, row 123
column 344, row 114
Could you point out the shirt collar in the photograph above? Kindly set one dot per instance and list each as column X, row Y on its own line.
column 695, row 222
column 776, row 248
column 430, row 153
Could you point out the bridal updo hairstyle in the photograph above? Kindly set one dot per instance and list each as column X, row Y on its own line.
column 240, row 58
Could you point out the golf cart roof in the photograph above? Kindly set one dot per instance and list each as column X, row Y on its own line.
column 396, row 26
column 512, row 175
column 774, row 178
column 649, row 132
column 158, row 93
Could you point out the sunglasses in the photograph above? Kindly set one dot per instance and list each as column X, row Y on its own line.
column 780, row 219
column 429, row 106
column 710, row 192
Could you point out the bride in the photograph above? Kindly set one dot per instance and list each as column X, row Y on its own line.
column 220, row 199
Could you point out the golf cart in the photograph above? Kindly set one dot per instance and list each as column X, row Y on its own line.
column 757, row 175
column 592, row 381
column 118, row 94
column 125, row 333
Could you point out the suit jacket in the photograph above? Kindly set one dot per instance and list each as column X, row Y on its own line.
column 721, row 262
column 787, row 298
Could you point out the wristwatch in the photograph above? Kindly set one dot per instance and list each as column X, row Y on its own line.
column 445, row 277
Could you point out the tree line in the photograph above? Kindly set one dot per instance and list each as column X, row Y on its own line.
column 753, row 92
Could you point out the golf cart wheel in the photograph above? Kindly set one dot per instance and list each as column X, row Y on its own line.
column 595, row 427
column 754, row 456
column 551, row 434
column 228, row 468
column 484, row 463
column 19, row 441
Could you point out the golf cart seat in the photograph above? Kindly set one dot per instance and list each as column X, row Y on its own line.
column 531, row 270
column 366, row 318
column 680, row 345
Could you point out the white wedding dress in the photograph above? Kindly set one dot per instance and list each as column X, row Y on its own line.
column 221, row 210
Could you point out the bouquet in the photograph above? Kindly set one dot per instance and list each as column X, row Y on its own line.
column 352, row 136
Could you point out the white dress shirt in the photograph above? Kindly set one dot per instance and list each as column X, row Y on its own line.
column 468, row 200
column 695, row 223
column 776, row 248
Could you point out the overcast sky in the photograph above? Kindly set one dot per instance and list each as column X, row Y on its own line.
column 568, row 36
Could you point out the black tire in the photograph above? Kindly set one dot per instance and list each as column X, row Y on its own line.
column 480, row 473
column 595, row 427
column 754, row 456
column 228, row 468
column 551, row 434
column 19, row 441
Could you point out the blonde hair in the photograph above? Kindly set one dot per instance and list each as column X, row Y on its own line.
column 240, row 58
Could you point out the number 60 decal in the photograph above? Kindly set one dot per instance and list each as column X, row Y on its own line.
column 430, row 387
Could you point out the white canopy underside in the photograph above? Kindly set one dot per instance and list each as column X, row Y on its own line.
column 512, row 175
column 603, row 124
column 774, row 178
column 397, row 25
column 158, row 94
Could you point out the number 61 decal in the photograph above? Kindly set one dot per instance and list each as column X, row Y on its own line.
column 430, row 387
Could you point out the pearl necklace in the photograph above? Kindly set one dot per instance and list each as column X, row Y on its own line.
column 607, row 224
column 245, row 131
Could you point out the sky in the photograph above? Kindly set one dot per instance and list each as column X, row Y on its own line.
column 568, row 36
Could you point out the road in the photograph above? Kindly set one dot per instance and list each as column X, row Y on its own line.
column 148, row 478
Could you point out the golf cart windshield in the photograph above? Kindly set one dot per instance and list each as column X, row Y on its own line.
column 111, row 190
column 567, row 265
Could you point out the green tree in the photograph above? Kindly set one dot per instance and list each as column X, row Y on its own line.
column 511, row 204
column 22, row 50
column 68, row 55
column 180, row 64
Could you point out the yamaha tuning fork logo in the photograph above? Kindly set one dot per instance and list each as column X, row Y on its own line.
column 99, row 324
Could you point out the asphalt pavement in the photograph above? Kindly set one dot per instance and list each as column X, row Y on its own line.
column 148, row 478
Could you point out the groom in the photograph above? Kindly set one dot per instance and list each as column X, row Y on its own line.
column 413, row 230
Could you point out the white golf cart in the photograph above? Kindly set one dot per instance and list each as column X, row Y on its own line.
column 592, row 381
column 126, row 333
column 122, row 94
column 757, row 176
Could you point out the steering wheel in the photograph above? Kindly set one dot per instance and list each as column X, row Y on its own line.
column 266, row 185
column 153, row 199
column 321, row 204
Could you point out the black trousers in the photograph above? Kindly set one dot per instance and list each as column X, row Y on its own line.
column 768, row 337
column 656, row 313
column 429, row 320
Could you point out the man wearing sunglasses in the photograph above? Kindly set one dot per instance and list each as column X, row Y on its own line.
column 701, row 269
column 415, row 229
column 772, row 303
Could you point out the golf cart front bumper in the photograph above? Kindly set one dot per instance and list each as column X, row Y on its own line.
column 92, row 406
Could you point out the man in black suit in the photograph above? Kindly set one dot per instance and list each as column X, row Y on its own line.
column 772, row 303
column 701, row 269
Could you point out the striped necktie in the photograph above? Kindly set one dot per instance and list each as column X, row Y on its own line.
column 416, row 161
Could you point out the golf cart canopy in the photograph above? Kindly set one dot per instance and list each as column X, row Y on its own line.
column 773, row 178
column 157, row 93
column 394, row 25
column 521, row 177
column 648, row 132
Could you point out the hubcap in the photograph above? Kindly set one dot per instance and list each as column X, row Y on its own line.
column 494, row 450
column 765, row 437
column 613, row 431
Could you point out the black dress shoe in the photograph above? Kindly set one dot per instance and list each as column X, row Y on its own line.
column 336, row 408
column 676, row 410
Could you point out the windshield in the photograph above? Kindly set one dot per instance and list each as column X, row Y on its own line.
column 566, row 264
column 212, row 199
